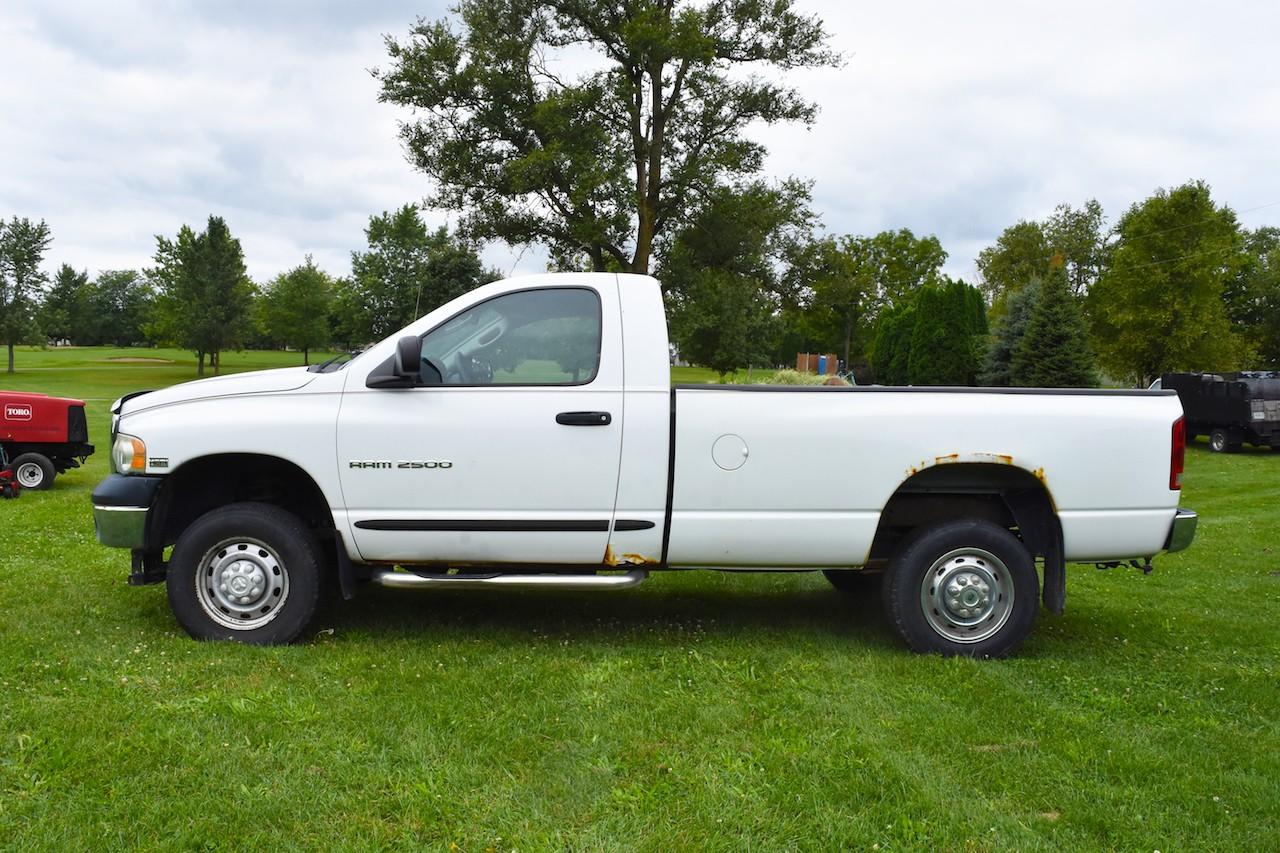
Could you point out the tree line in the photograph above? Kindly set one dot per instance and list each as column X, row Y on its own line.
column 640, row 163
column 198, row 294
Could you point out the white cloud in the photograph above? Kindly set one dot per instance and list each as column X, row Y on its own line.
column 956, row 119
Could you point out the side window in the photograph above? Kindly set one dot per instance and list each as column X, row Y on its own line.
column 549, row 336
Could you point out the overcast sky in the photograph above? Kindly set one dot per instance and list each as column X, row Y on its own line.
column 123, row 120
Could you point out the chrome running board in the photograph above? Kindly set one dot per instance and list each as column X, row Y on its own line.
column 409, row 580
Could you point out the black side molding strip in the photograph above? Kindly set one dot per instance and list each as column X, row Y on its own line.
column 671, row 479
column 484, row 525
column 624, row 524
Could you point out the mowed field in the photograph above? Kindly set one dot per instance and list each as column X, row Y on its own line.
column 700, row 711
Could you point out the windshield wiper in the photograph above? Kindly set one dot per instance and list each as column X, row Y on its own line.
column 323, row 367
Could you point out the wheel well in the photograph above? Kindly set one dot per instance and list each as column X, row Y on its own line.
column 1006, row 495
column 209, row 482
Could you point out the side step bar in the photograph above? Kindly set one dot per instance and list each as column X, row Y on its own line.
column 409, row 580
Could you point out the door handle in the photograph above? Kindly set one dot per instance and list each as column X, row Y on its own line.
column 584, row 418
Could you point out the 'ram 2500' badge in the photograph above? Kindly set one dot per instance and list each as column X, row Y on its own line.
column 414, row 463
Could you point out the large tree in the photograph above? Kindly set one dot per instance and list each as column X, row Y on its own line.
column 603, row 162
column 119, row 304
column 23, row 244
column 1070, row 239
column 1020, row 254
column 1077, row 243
column 62, row 313
column 1252, row 295
column 407, row 271
column 722, row 272
column 205, row 295
column 295, row 308
column 843, row 283
column 1159, row 306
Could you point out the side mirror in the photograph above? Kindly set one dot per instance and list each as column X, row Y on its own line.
column 408, row 363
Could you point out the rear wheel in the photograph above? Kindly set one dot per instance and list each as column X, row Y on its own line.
column 34, row 471
column 965, row 587
column 248, row 572
column 1220, row 441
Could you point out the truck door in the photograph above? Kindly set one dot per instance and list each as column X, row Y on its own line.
column 514, row 456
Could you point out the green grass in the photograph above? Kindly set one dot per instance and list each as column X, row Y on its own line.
column 700, row 711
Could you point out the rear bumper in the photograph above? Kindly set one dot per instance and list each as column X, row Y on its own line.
column 1182, row 532
column 120, row 508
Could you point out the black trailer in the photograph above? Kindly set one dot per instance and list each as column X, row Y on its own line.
column 1231, row 408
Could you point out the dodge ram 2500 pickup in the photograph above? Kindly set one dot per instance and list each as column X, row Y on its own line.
column 527, row 434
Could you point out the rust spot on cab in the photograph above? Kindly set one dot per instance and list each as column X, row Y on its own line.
column 1039, row 475
column 612, row 559
column 943, row 460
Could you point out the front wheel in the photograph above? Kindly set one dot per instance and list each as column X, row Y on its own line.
column 34, row 471
column 965, row 588
column 248, row 572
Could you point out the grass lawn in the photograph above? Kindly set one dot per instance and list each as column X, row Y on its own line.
column 699, row 711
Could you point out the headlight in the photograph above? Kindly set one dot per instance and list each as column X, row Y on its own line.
column 128, row 455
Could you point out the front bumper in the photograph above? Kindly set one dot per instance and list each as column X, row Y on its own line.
column 1182, row 531
column 120, row 507
column 121, row 526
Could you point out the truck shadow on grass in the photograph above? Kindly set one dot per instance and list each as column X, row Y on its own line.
column 664, row 609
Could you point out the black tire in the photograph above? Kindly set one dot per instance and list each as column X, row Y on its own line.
column 987, row 562
column 278, row 569
column 1222, row 441
column 854, row 581
column 34, row 471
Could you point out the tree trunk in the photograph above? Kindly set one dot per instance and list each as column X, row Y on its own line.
column 11, row 356
column 200, row 362
column 306, row 356
column 216, row 360
column 644, row 240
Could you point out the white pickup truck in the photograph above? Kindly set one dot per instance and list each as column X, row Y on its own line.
column 527, row 434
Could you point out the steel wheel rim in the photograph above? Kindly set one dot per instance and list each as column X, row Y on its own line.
column 967, row 595
column 241, row 583
column 1218, row 440
column 30, row 475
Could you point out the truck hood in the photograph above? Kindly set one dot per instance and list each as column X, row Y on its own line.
column 231, row 385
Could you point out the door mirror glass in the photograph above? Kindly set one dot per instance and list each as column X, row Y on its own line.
column 409, row 359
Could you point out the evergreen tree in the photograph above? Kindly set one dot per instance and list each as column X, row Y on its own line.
column 944, row 349
column 997, row 368
column 1054, row 352
column 891, row 349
